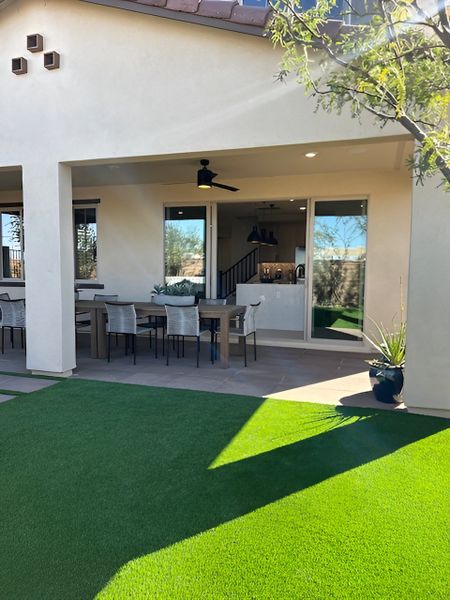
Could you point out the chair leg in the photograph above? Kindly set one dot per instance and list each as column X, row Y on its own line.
column 11, row 329
column 163, row 338
column 182, row 346
column 134, row 344
column 254, row 343
column 168, row 351
column 3, row 340
column 212, row 346
column 198, row 351
column 109, row 346
column 245, row 350
column 126, row 344
column 21, row 337
column 156, row 341
column 117, row 339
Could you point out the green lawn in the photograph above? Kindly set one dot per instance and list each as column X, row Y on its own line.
column 127, row 493
column 337, row 316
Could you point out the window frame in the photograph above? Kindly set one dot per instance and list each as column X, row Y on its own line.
column 88, row 204
column 4, row 208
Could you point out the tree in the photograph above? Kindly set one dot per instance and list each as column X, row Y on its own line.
column 394, row 62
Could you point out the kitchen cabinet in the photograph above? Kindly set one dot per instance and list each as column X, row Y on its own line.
column 282, row 307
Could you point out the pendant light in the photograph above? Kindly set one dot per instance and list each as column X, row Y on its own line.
column 272, row 240
column 263, row 238
column 254, row 237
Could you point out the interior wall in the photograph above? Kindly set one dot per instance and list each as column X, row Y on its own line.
column 233, row 233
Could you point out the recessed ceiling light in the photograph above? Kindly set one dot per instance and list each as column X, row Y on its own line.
column 180, row 212
column 302, row 207
column 292, row 200
column 311, row 154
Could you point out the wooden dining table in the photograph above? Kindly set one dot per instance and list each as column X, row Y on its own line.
column 97, row 310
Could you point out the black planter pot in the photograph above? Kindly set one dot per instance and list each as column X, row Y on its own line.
column 387, row 383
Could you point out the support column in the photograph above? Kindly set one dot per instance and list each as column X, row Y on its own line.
column 49, row 268
column 427, row 373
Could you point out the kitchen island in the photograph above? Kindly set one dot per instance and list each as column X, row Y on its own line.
column 282, row 306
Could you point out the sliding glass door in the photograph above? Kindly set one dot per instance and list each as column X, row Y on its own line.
column 185, row 243
column 338, row 252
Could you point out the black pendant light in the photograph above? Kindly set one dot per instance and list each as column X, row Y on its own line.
column 254, row 237
column 272, row 240
column 263, row 238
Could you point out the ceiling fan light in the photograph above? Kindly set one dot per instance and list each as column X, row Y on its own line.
column 204, row 179
column 254, row 237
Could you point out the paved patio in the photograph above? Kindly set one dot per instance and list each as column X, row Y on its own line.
column 337, row 378
column 299, row 375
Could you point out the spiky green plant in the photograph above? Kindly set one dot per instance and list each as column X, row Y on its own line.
column 390, row 344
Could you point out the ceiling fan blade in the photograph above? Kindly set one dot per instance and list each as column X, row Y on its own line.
column 230, row 188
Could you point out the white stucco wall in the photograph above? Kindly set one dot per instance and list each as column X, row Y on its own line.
column 136, row 85
column 428, row 339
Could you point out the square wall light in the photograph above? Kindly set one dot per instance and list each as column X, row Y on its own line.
column 35, row 42
column 19, row 65
column 51, row 60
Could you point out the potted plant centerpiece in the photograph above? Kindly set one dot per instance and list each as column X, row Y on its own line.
column 177, row 294
column 386, row 371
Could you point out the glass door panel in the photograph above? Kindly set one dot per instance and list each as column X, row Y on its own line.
column 339, row 248
column 185, row 246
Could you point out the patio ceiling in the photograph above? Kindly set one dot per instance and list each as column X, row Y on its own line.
column 258, row 162
column 234, row 165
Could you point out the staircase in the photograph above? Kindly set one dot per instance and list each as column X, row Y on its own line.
column 241, row 272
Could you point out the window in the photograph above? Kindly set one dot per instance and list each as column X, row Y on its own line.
column 185, row 246
column 85, row 220
column 12, row 244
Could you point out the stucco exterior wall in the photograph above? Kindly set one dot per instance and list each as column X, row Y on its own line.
column 130, row 229
column 427, row 381
column 136, row 85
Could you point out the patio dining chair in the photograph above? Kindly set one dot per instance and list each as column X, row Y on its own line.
column 246, row 327
column 13, row 317
column 184, row 322
column 122, row 321
column 213, row 323
column 83, row 318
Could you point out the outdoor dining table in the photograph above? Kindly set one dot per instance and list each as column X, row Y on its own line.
column 97, row 309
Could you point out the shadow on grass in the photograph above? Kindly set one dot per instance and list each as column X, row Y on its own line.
column 96, row 474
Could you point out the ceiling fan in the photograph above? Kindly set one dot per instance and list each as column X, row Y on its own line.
column 205, row 179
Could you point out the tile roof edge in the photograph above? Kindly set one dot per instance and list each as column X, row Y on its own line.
column 186, row 17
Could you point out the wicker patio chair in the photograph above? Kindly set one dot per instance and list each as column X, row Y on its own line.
column 122, row 321
column 13, row 317
column 184, row 322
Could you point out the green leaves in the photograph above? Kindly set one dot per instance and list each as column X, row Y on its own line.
column 391, row 345
column 395, row 64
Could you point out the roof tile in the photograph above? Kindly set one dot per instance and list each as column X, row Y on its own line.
column 188, row 6
column 248, row 15
column 158, row 3
column 219, row 9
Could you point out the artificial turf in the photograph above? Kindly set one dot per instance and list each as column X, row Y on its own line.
column 129, row 492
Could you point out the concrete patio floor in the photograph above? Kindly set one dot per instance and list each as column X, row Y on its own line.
column 298, row 375
column 337, row 378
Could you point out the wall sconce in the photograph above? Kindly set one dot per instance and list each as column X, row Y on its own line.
column 19, row 66
column 35, row 42
column 51, row 60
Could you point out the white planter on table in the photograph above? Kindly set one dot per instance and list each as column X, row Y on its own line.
column 173, row 300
